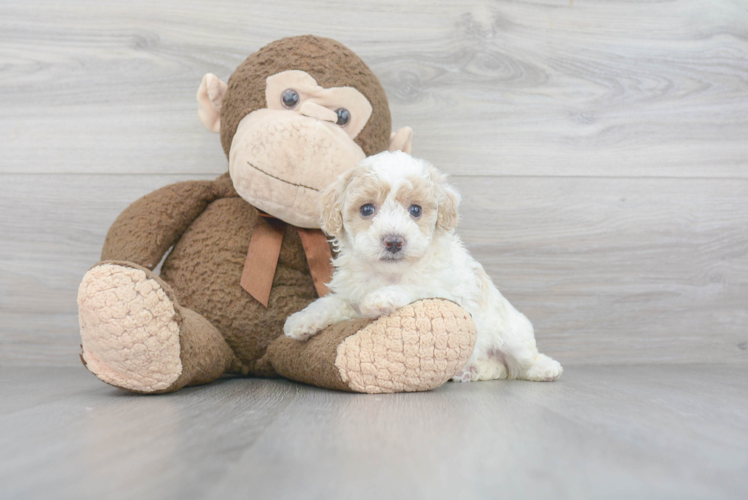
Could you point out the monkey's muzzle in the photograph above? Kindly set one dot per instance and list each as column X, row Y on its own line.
column 280, row 162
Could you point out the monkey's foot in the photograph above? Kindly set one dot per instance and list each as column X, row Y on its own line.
column 129, row 329
column 417, row 348
column 137, row 337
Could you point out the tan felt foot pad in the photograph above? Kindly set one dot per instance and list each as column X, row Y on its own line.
column 129, row 329
column 418, row 348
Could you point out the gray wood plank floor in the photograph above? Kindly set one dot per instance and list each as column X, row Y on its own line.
column 599, row 432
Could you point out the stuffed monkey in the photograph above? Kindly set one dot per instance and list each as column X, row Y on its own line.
column 246, row 251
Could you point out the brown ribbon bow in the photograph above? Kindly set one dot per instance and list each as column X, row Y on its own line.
column 264, row 250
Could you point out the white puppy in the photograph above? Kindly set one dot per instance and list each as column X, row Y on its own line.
column 392, row 218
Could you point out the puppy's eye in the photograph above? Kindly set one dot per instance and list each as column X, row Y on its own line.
column 344, row 116
column 415, row 211
column 367, row 210
column 290, row 98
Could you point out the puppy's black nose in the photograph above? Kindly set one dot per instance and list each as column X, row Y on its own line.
column 393, row 243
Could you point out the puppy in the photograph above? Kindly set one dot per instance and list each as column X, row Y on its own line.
column 392, row 218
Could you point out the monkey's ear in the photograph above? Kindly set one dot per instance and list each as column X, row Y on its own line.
column 401, row 140
column 209, row 102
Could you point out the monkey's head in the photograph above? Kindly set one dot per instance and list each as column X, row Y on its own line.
column 294, row 116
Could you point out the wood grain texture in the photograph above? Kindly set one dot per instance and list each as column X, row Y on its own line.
column 608, row 270
column 603, row 88
column 600, row 147
column 662, row 432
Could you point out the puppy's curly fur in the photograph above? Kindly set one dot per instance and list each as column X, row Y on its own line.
column 392, row 218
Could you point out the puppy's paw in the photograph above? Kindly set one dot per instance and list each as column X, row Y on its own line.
column 383, row 302
column 467, row 374
column 490, row 369
column 545, row 369
column 482, row 369
column 303, row 324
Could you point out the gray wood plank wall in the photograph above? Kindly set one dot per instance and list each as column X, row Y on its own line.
column 601, row 148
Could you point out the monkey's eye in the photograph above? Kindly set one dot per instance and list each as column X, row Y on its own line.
column 367, row 210
column 344, row 116
column 415, row 211
column 290, row 98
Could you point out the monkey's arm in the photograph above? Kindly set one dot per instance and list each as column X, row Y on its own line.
column 145, row 230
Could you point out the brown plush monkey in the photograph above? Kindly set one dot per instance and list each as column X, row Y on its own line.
column 246, row 251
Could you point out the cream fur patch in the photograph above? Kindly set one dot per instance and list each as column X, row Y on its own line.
column 417, row 348
column 128, row 328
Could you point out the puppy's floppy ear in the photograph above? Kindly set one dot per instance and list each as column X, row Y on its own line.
column 449, row 199
column 332, row 201
column 447, row 216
